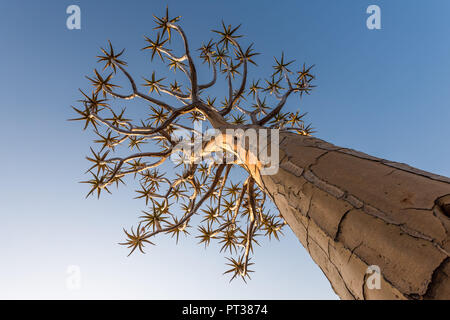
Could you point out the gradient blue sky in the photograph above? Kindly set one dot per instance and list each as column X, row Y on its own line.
column 384, row 92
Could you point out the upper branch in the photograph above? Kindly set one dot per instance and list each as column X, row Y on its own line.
column 277, row 109
column 137, row 93
column 193, row 71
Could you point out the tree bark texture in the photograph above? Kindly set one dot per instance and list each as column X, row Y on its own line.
column 351, row 211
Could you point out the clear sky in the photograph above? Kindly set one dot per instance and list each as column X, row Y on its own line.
column 384, row 92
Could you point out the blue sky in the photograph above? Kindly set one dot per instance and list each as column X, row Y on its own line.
column 384, row 92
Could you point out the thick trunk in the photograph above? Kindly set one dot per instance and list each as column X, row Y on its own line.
column 352, row 211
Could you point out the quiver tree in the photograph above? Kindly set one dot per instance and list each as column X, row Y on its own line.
column 351, row 211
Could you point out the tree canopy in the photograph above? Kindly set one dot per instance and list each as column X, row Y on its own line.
column 232, row 213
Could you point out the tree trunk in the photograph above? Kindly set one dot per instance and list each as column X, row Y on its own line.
column 351, row 211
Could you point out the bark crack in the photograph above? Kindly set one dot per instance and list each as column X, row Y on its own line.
column 396, row 165
column 338, row 193
column 335, row 267
column 444, row 204
column 353, row 251
column 316, row 161
column 340, row 224
column 363, row 289
column 431, row 285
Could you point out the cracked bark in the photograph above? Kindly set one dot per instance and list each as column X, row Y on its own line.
column 351, row 210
